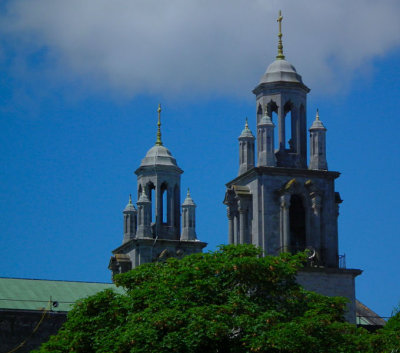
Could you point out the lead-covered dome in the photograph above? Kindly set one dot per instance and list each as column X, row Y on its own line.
column 158, row 155
column 281, row 70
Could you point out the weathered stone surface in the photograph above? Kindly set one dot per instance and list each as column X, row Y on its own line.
column 18, row 327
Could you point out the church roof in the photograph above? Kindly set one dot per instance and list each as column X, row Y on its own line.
column 40, row 294
column 366, row 316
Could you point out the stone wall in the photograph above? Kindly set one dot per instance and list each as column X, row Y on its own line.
column 332, row 282
column 17, row 326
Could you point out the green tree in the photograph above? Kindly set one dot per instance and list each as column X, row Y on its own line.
column 387, row 339
column 231, row 300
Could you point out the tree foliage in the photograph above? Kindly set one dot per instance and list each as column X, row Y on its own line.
column 232, row 300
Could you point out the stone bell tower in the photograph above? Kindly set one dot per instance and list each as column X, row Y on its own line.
column 282, row 204
column 152, row 231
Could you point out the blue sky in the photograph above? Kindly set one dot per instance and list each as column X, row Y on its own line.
column 79, row 87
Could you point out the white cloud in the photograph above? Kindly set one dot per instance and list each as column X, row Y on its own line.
column 199, row 46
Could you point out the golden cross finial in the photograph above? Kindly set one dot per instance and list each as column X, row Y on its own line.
column 280, row 18
column 247, row 124
column 158, row 141
column 280, row 55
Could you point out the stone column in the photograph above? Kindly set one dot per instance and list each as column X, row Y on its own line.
column 236, row 228
column 170, row 207
column 242, row 223
column 285, row 223
column 230, row 226
column 316, row 208
column 159, row 209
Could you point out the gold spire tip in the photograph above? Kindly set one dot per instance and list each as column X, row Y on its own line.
column 280, row 55
column 130, row 198
column 317, row 115
column 158, row 141
column 247, row 124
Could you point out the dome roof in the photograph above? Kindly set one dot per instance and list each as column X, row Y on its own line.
column 130, row 207
column 281, row 70
column 158, row 155
column 246, row 132
column 143, row 197
column 317, row 124
column 266, row 120
column 188, row 200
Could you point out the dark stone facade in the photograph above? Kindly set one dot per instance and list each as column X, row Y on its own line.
column 20, row 328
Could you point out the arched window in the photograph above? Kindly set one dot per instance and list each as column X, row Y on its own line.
column 150, row 192
column 297, row 216
column 259, row 113
column 176, row 214
column 289, row 127
column 164, row 204
column 272, row 110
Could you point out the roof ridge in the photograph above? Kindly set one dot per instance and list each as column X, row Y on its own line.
column 54, row 280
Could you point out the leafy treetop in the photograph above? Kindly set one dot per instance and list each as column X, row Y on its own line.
column 231, row 300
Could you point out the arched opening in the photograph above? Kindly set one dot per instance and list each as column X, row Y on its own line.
column 126, row 224
column 260, row 140
column 259, row 113
column 289, row 127
column 272, row 110
column 241, row 154
column 164, row 203
column 176, row 201
column 150, row 191
column 297, row 216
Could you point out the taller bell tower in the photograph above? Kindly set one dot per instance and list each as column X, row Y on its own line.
column 282, row 204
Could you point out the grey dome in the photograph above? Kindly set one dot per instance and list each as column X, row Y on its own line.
column 130, row 208
column 158, row 155
column 281, row 70
column 246, row 132
column 266, row 120
column 188, row 200
column 317, row 124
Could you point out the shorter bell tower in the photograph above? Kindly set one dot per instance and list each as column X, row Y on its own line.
column 152, row 231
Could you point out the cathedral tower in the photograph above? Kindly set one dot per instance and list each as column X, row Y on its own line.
column 282, row 205
column 152, row 232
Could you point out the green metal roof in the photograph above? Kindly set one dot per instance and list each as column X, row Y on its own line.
column 36, row 294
